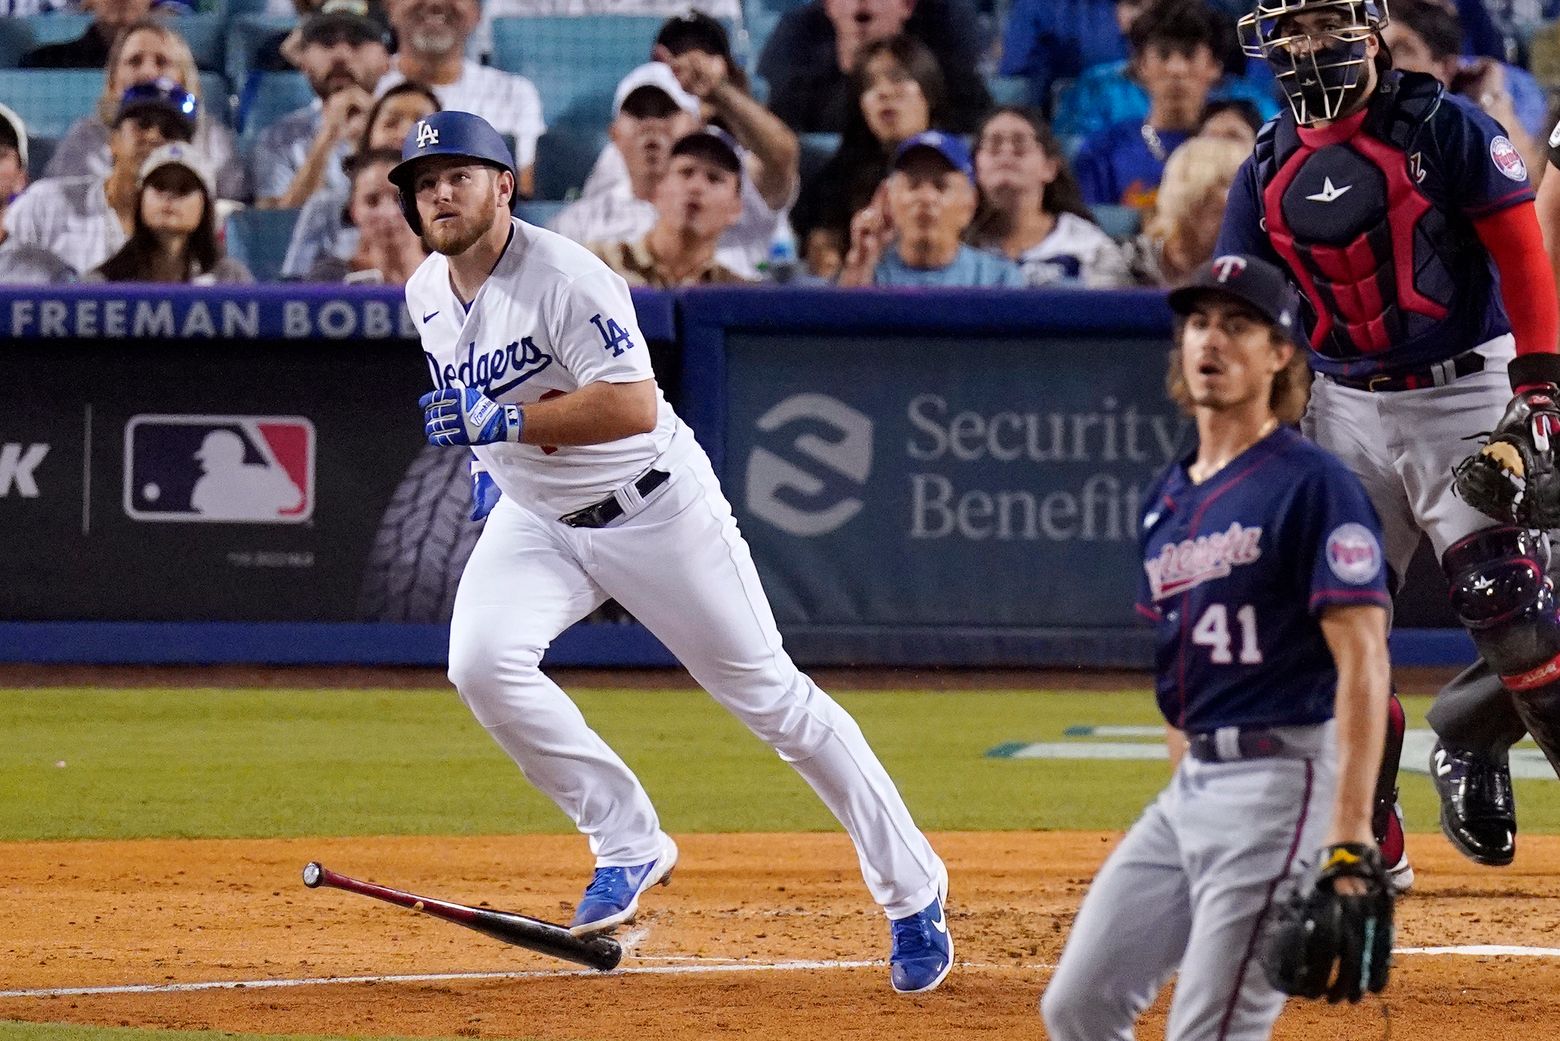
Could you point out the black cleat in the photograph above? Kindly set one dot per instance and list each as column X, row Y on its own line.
column 1478, row 814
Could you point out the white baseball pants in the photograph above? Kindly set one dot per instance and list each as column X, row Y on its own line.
column 678, row 563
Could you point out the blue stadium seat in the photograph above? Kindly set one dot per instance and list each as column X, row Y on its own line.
column 762, row 16
column 1009, row 90
column 538, row 211
column 275, row 95
column 216, row 96
column 50, row 100
column 575, row 62
column 817, row 148
column 235, row 8
column 245, row 36
column 259, row 238
column 564, row 157
column 1119, row 222
column 207, row 36
column 20, row 35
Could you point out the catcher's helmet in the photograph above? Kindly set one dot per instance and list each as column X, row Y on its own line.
column 446, row 133
column 1320, row 70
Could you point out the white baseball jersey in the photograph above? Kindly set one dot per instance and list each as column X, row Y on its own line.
column 550, row 319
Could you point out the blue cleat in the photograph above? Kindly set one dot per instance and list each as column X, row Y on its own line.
column 612, row 898
column 923, row 949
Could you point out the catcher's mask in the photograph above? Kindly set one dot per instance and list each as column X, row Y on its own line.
column 1316, row 49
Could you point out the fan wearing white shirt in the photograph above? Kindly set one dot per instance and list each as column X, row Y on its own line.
column 432, row 37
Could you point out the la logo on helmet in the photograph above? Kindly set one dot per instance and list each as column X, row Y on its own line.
column 426, row 135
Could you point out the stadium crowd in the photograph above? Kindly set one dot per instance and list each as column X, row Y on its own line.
column 855, row 142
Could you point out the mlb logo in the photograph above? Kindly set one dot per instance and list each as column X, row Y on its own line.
column 234, row 469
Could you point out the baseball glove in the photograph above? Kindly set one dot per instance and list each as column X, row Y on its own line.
column 1513, row 477
column 1322, row 942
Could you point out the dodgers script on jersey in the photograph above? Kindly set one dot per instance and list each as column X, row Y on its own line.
column 550, row 319
column 1236, row 571
column 1373, row 218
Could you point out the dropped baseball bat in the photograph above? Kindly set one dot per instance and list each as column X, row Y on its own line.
column 598, row 952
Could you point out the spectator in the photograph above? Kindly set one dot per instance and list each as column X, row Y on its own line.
column 1234, row 120
column 174, row 236
column 1114, row 92
column 1185, row 225
column 1425, row 36
column 697, row 51
column 321, row 235
column 1031, row 211
column 346, row 51
column 21, row 263
column 898, row 93
column 148, row 49
column 110, row 18
column 809, row 58
column 1048, row 40
column 698, row 199
column 653, row 114
column 84, row 220
column 913, row 234
column 386, row 250
column 432, row 37
column 1173, row 54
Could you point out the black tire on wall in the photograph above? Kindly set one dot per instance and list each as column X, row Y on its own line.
column 424, row 540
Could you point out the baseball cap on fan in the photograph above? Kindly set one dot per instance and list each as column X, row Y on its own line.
column 178, row 154
column 174, row 108
column 951, row 148
column 1252, row 281
column 657, row 76
column 712, row 145
column 355, row 21
column 13, row 133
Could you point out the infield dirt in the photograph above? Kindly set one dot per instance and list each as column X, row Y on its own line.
column 87, row 914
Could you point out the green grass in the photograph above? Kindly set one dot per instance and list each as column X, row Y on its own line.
column 207, row 763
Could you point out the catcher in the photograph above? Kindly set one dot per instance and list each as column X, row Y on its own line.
column 1264, row 576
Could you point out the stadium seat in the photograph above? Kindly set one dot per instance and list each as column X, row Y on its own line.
column 564, row 157
column 246, row 34
column 20, row 35
column 275, row 94
column 1009, row 90
column 259, row 238
column 1119, row 222
column 817, row 148
column 216, row 96
column 575, row 62
column 50, row 100
column 538, row 211
column 237, row 8
column 761, row 17
column 207, row 36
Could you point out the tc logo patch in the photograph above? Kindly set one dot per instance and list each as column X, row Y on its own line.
column 1228, row 266
column 202, row 469
column 1353, row 554
column 1507, row 159
column 789, row 496
column 426, row 135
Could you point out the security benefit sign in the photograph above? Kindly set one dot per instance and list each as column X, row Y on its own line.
column 935, row 481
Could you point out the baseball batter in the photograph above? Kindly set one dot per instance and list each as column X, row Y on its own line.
column 1264, row 577
column 1405, row 216
column 597, row 490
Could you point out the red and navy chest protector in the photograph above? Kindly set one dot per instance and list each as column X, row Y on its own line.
column 1373, row 218
column 1236, row 573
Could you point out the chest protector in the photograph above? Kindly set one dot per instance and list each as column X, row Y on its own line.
column 1355, row 214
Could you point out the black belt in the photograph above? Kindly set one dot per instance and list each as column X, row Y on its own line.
column 1249, row 744
column 599, row 515
column 1437, row 375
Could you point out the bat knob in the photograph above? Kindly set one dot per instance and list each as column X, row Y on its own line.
column 313, row 874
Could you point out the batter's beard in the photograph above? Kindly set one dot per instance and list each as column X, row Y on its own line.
column 452, row 242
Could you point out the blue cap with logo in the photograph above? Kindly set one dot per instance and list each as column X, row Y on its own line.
column 949, row 146
column 1252, row 281
column 162, row 96
column 451, row 133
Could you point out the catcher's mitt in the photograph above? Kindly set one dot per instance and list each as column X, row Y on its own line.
column 1513, row 477
column 1324, row 943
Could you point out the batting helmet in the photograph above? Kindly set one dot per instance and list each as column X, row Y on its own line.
column 446, row 133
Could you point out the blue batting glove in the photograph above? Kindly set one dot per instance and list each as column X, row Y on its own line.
column 461, row 415
column 484, row 493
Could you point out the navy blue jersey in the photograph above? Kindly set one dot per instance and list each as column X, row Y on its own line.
column 1372, row 217
column 1236, row 571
